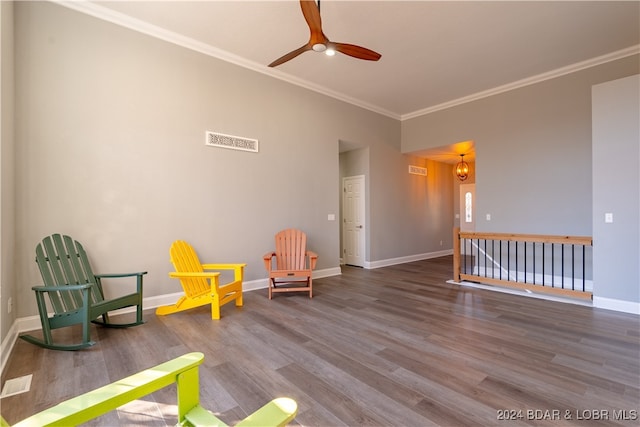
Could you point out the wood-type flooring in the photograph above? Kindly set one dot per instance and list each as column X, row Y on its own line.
column 394, row 346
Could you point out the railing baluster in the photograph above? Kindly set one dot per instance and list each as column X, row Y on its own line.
column 543, row 264
column 553, row 265
column 516, row 261
column 533, row 245
column 485, row 257
column 508, row 260
column 562, row 257
column 500, row 263
column 584, row 273
column 478, row 254
column 573, row 273
column 493, row 259
column 525, row 261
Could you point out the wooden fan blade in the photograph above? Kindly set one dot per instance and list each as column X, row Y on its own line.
column 311, row 14
column 356, row 51
column 289, row 56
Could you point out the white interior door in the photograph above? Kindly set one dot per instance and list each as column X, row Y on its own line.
column 353, row 226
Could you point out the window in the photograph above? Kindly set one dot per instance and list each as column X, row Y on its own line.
column 468, row 207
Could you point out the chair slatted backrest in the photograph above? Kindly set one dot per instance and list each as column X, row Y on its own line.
column 185, row 260
column 62, row 262
column 291, row 247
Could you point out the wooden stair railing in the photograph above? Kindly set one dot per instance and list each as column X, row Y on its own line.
column 183, row 371
column 537, row 263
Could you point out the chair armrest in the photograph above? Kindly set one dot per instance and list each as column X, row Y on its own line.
column 222, row 266
column 112, row 275
column 268, row 260
column 199, row 416
column 278, row 412
column 65, row 288
column 189, row 274
column 313, row 258
column 139, row 275
column 238, row 269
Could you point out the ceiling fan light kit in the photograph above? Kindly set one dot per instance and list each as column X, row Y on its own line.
column 318, row 42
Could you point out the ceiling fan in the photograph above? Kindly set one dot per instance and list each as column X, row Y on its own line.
column 318, row 42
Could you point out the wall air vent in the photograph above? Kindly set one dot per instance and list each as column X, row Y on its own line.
column 233, row 142
column 417, row 170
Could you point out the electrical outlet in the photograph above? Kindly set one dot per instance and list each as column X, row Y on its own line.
column 9, row 305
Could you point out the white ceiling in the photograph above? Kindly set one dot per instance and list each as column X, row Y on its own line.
column 434, row 53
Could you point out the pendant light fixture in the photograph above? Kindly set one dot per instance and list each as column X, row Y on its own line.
column 462, row 169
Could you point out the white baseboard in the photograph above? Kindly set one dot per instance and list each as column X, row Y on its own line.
column 405, row 259
column 617, row 305
column 7, row 345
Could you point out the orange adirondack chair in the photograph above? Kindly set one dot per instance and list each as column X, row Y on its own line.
column 201, row 283
column 293, row 263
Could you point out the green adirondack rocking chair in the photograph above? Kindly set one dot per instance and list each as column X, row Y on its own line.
column 75, row 293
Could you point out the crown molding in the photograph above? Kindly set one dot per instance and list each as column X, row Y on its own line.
column 100, row 12
column 633, row 50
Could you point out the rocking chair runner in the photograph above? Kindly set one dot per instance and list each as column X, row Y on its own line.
column 75, row 294
column 193, row 278
column 293, row 263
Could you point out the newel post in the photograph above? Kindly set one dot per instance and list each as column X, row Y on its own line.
column 456, row 254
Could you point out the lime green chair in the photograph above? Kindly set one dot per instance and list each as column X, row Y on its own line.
column 74, row 293
column 183, row 371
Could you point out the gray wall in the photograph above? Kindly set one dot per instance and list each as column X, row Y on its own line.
column 533, row 151
column 412, row 213
column 7, row 182
column 616, row 189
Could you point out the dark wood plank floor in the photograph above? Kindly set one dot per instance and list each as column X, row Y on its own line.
column 395, row 346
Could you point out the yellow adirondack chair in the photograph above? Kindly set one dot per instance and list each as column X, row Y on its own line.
column 201, row 282
column 182, row 371
column 293, row 263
